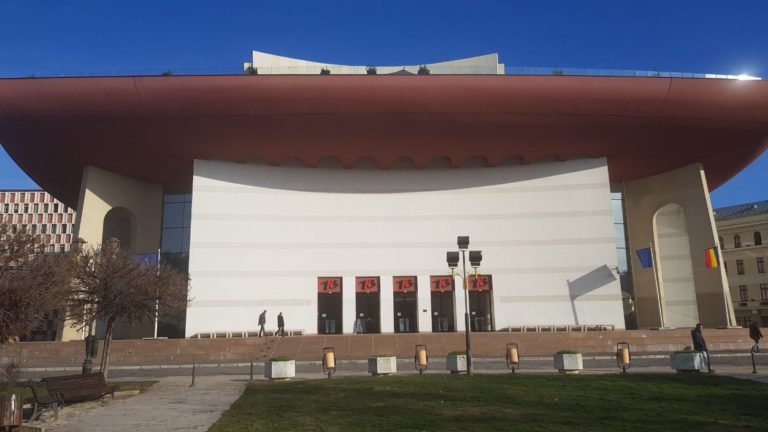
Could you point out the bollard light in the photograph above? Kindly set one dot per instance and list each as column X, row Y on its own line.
column 623, row 356
column 329, row 361
column 420, row 359
column 513, row 356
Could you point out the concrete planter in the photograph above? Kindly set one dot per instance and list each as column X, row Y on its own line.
column 568, row 363
column 280, row 369
column 456, row 363
column 382, row 365
column 688, row 361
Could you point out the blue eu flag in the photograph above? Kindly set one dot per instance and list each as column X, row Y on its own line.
column 646, row 259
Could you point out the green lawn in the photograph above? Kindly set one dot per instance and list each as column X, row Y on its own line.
column 503, row 402
column 121, row 386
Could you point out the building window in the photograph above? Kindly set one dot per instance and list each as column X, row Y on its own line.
column 62, row 248
column 6, row 208
column 52, row 249
column 758, row 238
column 16, row 208
column 760, row 264
column 764, row 291
column 43, row 229
column 725, row 264
column 53, row 228
column 737, row 241
column 722, row 243
column 26, row 208
column 743, row 293
column 55, row 207
column 740, row 267
column 34, row 229
column 45, row 208
column 36, row 208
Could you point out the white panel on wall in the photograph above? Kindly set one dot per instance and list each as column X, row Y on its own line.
column 675, row 267
column 261, row 236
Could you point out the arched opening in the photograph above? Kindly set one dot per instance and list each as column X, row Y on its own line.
column 330, row 162
column 119, row 224
column 737, row 241
column 475, row 162
column 675, row 267
column 511, row 160
column 366, row 162
column 292, row 161
column 439, row 162
column 403, row 162
column 758, row 238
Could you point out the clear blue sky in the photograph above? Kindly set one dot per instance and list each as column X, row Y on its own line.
column 80, row 37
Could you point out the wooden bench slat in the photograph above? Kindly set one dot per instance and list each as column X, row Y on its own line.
column 78, row 388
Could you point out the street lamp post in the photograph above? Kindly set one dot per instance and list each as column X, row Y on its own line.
column 475, row 257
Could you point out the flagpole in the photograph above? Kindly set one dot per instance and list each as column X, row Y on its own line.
column 656, row 282
column 157, row 300
column 726, row 288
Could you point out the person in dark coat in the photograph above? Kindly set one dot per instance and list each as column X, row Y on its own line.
column 262, row 323
column 755, row 334
column 699, row 344
column 280, row 324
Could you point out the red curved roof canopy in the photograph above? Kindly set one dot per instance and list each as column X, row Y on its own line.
column 151, row 128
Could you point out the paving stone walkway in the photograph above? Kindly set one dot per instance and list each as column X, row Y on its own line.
column 169, row 405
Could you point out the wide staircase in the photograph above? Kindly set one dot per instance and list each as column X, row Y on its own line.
column 349, row 347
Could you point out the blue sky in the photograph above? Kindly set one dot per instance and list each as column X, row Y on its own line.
column 99, row 37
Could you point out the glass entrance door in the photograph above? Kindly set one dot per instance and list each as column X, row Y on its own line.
column 329, row 305
column 443, row 307
column 480, row 303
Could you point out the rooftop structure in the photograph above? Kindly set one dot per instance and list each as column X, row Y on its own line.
column 318, row 195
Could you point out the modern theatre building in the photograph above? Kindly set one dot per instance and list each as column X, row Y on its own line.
column 332, row 193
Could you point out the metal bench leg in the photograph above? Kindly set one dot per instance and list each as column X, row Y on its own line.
column 35, row 412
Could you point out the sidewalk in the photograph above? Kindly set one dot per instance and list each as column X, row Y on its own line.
column 169, row 405
column 172, row 405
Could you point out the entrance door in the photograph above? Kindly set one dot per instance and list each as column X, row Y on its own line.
column 367, row 305
column 443, row 309
column 480, row 303
column 405, row 304
column 329, row 305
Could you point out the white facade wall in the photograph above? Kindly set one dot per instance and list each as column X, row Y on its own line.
column 261, row 236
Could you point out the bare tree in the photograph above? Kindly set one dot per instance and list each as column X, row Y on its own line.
column 111, row 285
column 31, row 283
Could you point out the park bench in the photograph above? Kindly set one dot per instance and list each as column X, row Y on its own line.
column 42, row 402
column 79, row 388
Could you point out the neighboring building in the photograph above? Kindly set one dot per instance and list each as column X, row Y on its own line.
column 743, row 237
column 39, row 213
column 333, row 198
column 270, row 64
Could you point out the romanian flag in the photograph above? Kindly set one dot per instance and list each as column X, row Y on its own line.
column 711, row 258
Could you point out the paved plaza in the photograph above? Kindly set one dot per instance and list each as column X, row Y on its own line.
column 173, row 404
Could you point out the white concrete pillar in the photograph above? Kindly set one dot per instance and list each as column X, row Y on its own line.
column 387, row 310
column 349, row 307
column 424, row 295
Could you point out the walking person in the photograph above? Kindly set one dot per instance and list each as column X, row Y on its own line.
column 755, row 334
column 699, row 344
column 280, row 324
column 262, row 323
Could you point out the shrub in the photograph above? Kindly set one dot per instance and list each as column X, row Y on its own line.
column 11, row 371
column 371, row 70
column 557, row 71
column 325, row 71
column 423, row 70
column 280, row 359
column 250, row 70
